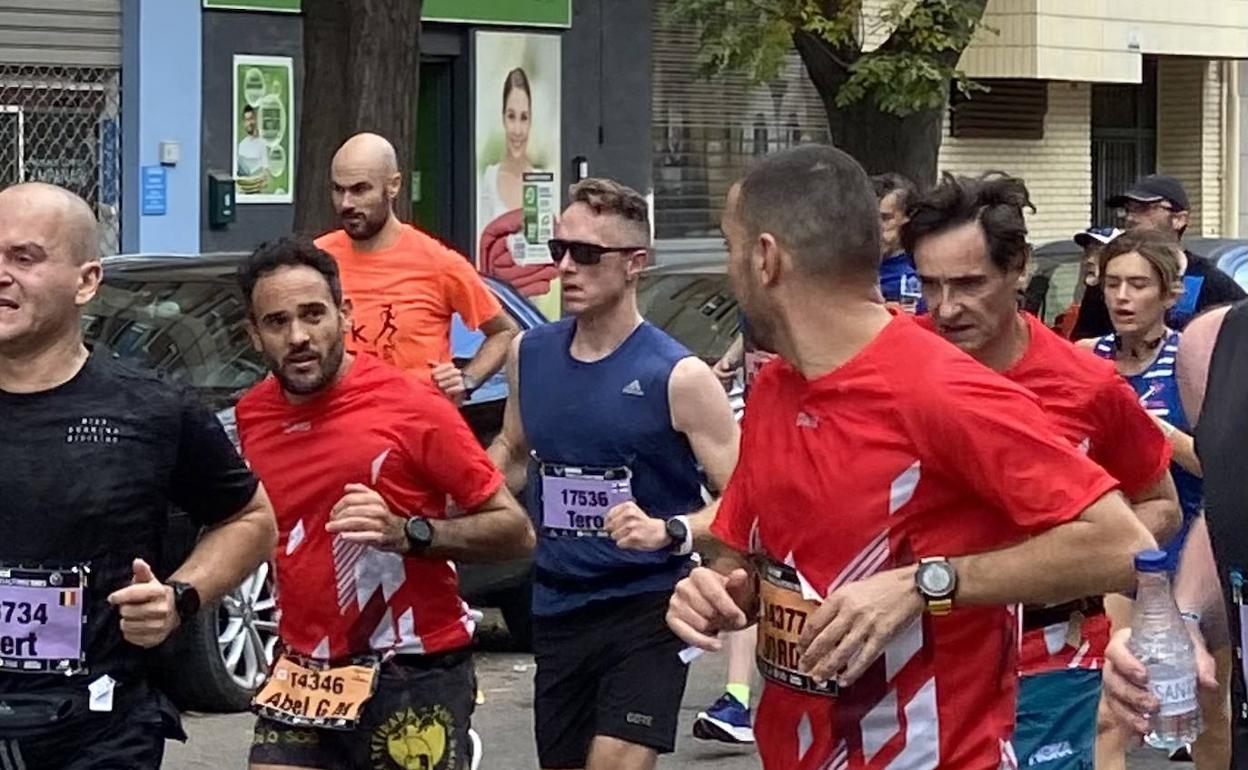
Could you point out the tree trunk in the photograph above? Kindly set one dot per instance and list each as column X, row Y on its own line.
column 361, row 73
column 879, row 141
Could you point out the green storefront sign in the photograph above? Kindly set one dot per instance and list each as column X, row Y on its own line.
column 528, row 13
column 532, row 13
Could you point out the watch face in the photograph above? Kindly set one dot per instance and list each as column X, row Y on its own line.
column 419, row 531
column 936, row 579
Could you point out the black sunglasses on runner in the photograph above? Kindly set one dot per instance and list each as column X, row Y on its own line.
column 585, row 253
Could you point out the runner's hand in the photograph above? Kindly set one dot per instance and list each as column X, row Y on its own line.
column 850, row 628
column 706, row 603
column 1125, row 681
column 726, row 370
column 362, row 516
column 633, row 529
column 149, row 613
column 450, row 380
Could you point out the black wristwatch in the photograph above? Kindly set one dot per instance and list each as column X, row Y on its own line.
column 678, row 531
column 419, row 534
column 470, row 384
column 185, row 599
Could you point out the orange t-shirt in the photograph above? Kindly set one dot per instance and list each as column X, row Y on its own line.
column 405, row 295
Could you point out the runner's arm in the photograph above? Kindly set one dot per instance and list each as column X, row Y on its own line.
column 230, row 551
column 1157, row 508
column 1091, row 555
column 1184, row 447
column 496, row 530
column 701, row 412
column 1193, row 359
column 499, row 332
column 510, row 449
column 1196, row 583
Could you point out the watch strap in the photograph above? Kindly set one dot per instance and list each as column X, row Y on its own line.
column 686, row 547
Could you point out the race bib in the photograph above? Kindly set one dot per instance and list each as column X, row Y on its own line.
column 783, row 613
column 575, row 501
column 41, row 619
column 312, row 694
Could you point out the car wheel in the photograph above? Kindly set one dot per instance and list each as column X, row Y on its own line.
column 222, row 655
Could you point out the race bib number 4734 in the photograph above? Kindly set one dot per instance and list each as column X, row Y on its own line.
column 41, row 619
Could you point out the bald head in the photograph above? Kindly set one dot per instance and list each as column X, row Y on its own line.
column 366, row 183
column 369, row 152
column 59, row 213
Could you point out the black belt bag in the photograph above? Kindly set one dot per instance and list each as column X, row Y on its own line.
column 1043, row 617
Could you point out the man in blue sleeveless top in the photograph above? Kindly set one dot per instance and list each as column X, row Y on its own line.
column 605, row 409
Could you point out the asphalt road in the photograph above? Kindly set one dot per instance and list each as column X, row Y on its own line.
column 505, row 722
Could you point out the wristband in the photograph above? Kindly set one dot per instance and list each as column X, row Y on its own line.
column 1192, row 616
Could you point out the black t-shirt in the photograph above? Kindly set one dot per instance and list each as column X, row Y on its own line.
column 1222, row 444
column 88, row 472
column 1204, row 286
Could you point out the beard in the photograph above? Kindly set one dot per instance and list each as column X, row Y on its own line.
column 331, row 362
column 369, row 226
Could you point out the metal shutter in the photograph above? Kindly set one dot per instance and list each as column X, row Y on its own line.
column 706, row 132
column 84, row 33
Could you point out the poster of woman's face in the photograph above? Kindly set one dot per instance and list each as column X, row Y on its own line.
column 518, row 96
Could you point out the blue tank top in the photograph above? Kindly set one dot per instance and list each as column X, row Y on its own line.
column 1158, row 389
column 610, row 413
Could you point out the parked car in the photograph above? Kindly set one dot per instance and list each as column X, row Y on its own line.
column 183, row 317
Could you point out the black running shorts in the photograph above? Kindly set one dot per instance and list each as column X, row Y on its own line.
column 612, row 668
column 418, row 717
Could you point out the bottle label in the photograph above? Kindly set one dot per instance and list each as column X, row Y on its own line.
column 1177, row 696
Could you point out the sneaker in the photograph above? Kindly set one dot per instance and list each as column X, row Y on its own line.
column 728, row 721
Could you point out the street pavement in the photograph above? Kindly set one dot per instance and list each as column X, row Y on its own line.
column 505, row 721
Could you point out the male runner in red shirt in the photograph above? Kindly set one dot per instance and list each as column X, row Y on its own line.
column 363, row 462
column 969, row 240
column 883, row 474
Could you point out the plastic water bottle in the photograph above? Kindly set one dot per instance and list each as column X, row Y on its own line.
column 1160, row 640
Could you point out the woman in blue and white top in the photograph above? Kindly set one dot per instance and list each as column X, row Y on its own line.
column 1141, row 280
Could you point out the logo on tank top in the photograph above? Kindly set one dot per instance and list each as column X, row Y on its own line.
column 633, row 389
column 805, row 420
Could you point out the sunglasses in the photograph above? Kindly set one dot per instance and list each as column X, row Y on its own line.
column 585, row 253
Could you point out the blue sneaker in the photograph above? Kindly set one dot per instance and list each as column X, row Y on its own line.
column 728, row 721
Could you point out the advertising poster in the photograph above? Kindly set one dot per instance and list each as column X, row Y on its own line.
column 264, row 129
column 518, row 161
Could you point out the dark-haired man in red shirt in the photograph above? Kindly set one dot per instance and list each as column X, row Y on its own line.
column 365, row 462
column 969, row 238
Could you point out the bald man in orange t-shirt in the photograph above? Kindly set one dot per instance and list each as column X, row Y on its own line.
column 406, row 285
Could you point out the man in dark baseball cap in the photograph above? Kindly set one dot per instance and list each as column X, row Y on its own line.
column 1155, row 201
column 1161, row 202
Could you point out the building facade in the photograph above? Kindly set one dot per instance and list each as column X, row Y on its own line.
column 137, row 104
column 1084, row 98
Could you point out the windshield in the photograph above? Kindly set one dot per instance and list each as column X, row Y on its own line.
column 192, row 331
column 697, row 309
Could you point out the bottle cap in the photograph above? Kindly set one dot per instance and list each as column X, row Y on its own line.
column 1152, row 560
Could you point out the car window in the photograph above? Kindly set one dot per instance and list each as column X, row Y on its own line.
column 697, row 309
column 191, row 330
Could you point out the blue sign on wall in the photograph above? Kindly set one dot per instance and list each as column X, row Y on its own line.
column 154, row 191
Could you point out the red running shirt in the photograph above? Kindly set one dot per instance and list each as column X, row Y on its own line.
column 1099, row 412
column 400, row 436
column 910, row 449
